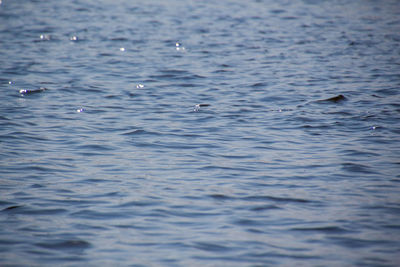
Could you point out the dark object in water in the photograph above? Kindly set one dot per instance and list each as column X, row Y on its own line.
column 33, row 91
column 12, row 207
column 334, row 99
column 198, row 106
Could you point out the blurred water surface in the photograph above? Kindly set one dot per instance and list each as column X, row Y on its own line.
column 192, row 133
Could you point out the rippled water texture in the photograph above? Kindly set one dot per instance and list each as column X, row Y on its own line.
column 199, row 133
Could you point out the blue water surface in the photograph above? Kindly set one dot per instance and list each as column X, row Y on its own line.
column 199, row 133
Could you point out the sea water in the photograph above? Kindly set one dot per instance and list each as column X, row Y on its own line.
column 199, row 133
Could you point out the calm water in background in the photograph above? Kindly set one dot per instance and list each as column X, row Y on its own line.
column 114, row 165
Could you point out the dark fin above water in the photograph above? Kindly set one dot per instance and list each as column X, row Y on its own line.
column 32, row 91
column 334, row 99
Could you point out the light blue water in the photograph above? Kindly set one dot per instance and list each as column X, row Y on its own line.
column 115, row 165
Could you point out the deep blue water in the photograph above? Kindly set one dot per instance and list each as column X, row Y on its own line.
column 195, row 133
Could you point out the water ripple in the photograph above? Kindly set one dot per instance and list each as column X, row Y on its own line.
column 202, row 133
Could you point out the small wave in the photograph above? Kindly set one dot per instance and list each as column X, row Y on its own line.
column 262, row 199
column 356, row 167
column 74, row 244
column 278, row 199
column 28, row 210
column 323, row 229
column 101, row 215
column 140, row 132
column 95, row 147
column 208, row 246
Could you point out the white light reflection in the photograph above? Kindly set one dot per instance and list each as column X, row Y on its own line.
column 45, row 37
column 179, row 46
